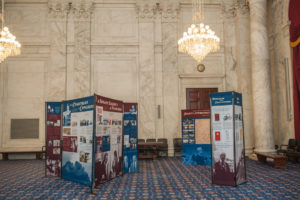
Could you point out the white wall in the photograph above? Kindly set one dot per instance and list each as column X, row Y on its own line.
column 123, row 49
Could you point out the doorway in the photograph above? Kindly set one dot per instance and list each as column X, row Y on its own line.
column 198, row 98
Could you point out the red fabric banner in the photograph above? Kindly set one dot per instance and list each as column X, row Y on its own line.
column 294, row 16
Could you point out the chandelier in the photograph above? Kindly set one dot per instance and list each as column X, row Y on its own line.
column 199, row 40
column 8, row 44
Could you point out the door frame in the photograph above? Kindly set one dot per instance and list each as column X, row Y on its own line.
column 196, row 82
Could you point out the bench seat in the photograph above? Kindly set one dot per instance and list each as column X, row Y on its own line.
column 38, row 154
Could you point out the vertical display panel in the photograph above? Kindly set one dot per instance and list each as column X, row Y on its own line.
column 239, row 140
column 130, row 138
column 53, row 139
column 227, row 138
column 109, row 133
column 77, row 149
column 196, row 147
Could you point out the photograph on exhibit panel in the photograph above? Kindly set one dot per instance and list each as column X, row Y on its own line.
column 130, row 162
column 53, row 167
column 70, row 143
column 196, row 154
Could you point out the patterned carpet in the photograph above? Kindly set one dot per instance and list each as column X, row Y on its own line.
column 165, row 178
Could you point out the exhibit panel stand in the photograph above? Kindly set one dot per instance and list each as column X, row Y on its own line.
column 227, row 137
column 78, row 134
column 84, row 139
column 53, row 139
column 130, row 161
column 109, row 139
column 196, row 145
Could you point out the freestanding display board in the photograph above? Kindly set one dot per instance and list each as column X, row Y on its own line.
column 109, row 133
column 77, row 151
column 196, row 147
column 53, row 138
column 92, row 138
column 228, row 167
column 130, row 138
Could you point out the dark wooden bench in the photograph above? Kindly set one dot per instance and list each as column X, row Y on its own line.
column 38, row 154
column 152, row 147
column 279, row 160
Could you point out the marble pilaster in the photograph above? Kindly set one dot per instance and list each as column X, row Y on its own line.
column 281, row 70
column 287, row 129
column 242, row 31
column 159, row 125
column 56, row 79
column 261, row 77
column 146, row 11
column 82, row 48
column 229, row 48
column 169, row 12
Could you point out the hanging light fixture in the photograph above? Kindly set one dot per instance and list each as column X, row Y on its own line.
column 199, row 40
column 8, row 44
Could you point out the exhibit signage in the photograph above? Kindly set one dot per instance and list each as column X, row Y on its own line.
column 109, row 125
column 77, row 151
column 130, row 138
column 196, row 147
column 53, row 138
column 228, row 166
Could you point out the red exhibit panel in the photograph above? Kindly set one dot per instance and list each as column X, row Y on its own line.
column 53, row 139
column 109, row 136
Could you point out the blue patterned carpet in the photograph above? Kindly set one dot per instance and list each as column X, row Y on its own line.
column 162, row 179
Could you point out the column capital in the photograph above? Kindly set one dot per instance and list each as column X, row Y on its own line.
column 58, row 8
column 169, row 10
column 146, row 10
column 256, row 1
column 228, row 10
column 82, row 9
column 241, row 7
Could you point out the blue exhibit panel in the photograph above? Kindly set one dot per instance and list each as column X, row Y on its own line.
column 130, row 139
column 77, row 152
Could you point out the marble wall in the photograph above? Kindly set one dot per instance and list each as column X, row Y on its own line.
column 127, row 49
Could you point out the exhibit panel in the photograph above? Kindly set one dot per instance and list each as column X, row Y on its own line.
column 227, row 139
column 196, row 145
column 130, row 161
column 109, row 136
column 239, row 140
column 77, row 151
column 53, row 139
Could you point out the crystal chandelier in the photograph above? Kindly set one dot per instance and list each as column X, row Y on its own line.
column 8, row 44
column 199, row 40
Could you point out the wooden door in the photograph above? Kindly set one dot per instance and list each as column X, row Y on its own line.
column 198, row 98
